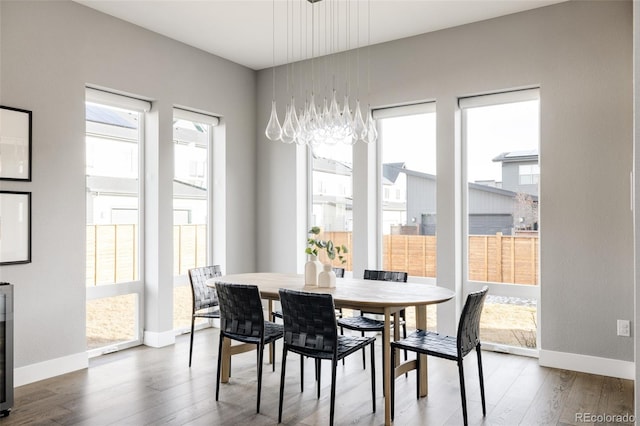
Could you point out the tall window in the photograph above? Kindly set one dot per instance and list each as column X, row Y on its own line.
column 192, row 140
column 408, row 193
column 408, row 157
column 501, row 139
column 332, row 195
column 114, row 136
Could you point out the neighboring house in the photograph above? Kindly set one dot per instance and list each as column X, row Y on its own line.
column 332, row 194
column 112, row 191
column 394, row 197
column 409, row 197
column 491, row 209
column 520, row 171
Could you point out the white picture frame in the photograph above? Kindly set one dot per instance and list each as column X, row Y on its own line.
column 15, row 144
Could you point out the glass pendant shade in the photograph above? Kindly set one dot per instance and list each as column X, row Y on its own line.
column 288, row 129
column 359, row 128
column 273, row 130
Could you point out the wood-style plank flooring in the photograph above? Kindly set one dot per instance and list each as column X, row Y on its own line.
column 147, row 386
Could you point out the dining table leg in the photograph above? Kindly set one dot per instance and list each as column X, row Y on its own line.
column 388, row 369
column 421, row 324
column 226, row 360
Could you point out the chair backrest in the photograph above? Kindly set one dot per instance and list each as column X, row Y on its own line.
column 309, row 320
column 203, row 295
column 396, row 276
column 240, row 309
column 339, row 272
column 469, row 326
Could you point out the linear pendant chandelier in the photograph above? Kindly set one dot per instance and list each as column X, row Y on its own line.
column 319, row 118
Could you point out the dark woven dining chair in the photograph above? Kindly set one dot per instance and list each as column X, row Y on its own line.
column 242, row 319
column 310, row 330
column 449, row 347
column 204, row 298
column 363, row 324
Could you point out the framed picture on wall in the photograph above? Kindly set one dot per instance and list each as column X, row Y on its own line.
column 15, row 144
column 15, row 227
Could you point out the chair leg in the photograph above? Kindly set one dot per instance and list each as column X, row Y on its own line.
column 373, row 376
column 363, row 356
column 301, row 373
column 403, row 316
column 219, row 367
column 393, row 365
column 283, row 367
column 393, row 382
column 342, row 333
column 334, row 365
column 272, row 350
column 417, row 375
column 193, row 320
column 318, row 373
column 463, row 393
column 364, row 363
column 260, row 360
column 484, row 407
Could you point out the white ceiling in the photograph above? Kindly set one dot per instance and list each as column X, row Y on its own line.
column 242, row 30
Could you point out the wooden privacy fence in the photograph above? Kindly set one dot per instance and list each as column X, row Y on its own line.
column 111, row 254
column 112, row 251
column 415, row 254
column 494, row 258
column 504, row 258
column 189, row 247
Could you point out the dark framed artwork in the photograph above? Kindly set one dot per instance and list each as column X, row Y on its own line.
column 15, row 227
column 15, row 144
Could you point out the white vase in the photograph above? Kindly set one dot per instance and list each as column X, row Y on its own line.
column 312, row 269
column 327, row 277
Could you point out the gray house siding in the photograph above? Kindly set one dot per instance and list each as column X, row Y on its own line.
column 511, row 178
column 491, row 211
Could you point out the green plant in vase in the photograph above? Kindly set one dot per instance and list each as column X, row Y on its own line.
column 316, row 245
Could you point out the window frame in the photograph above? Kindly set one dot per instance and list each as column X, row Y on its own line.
column 136, row 287
column 426, row 107
column 497, row 289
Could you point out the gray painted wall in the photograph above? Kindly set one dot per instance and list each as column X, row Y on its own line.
column 580, row 55
column 49, row 51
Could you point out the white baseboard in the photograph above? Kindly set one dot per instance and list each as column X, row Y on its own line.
column 588, row 364
column 51, row 368
column 159, row 340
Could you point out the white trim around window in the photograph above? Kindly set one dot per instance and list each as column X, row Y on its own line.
column 404, row 110
column 183, row 114
column 104, row 97
column 522, row 95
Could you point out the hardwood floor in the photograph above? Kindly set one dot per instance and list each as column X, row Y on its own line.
column 143, row 386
